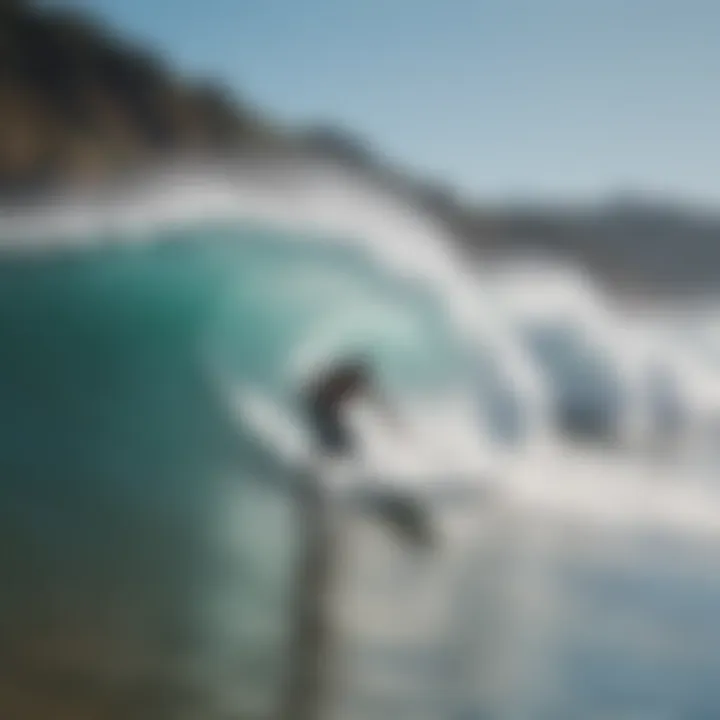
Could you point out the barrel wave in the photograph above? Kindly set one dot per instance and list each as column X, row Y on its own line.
column 151, row 437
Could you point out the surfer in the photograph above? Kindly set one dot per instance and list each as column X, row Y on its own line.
column 312, row 661
column 327, row 400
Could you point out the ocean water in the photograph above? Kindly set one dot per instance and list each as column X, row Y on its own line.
column 151, row 441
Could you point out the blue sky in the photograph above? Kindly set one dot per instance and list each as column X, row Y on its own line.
column 504, row 98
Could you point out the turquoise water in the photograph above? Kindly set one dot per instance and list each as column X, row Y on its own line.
column 150, row 532
column 121, row 457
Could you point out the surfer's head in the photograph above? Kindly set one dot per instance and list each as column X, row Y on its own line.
column 340, row 382
column 327, row 395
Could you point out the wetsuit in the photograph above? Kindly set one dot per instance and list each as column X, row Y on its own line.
column 325, row 400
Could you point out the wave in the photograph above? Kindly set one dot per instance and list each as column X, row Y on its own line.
column 299, row 267
column 153, row 349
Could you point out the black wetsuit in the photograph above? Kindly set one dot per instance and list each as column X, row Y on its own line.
column 324, row 401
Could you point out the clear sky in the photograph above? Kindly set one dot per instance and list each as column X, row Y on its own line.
column 549, row 98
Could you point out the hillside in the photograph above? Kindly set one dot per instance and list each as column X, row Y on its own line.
column 635, row 243
column 78, row 104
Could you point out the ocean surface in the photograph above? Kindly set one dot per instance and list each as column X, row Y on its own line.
column 151, row 437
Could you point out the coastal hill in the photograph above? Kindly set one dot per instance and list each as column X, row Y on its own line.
column 637, row 244
column 79, row 105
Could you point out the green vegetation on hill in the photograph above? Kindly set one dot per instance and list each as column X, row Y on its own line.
column 77, row 103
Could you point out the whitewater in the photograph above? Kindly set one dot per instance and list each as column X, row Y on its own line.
column 154, row 344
